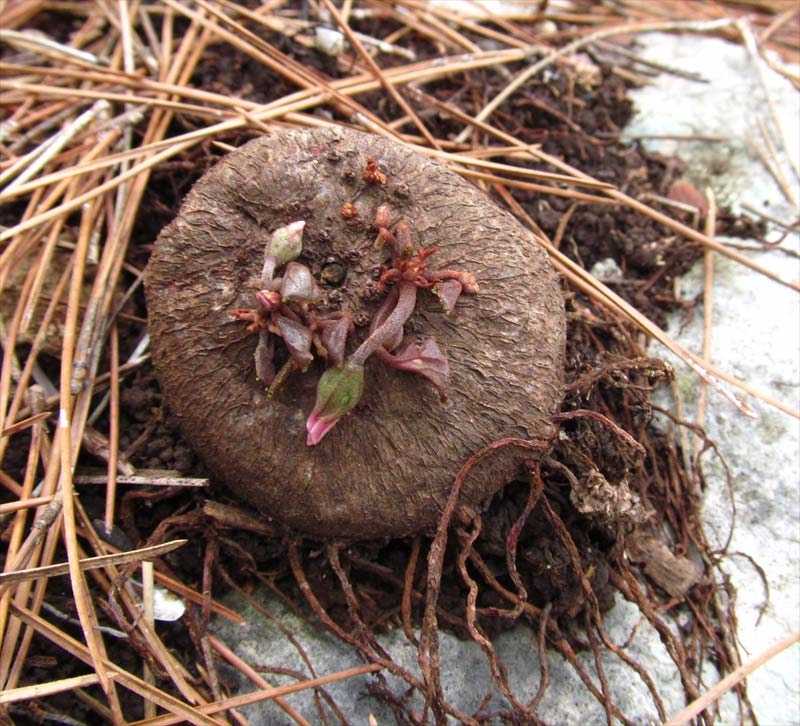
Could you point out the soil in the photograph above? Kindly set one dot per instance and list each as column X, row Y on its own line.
column 606, row 373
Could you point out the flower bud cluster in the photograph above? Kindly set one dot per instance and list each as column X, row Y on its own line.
column 285, row 309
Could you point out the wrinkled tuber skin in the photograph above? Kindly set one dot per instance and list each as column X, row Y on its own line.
column 387, row 467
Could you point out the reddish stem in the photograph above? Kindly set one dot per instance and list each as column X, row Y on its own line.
column 268, row 271
column 466, row 279
column 390, row 329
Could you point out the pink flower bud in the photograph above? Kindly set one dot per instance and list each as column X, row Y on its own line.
column 383, row 217
column 404, row 247
column 268, row 300
column 469, row 283
column 338, row 391
column 286, row 243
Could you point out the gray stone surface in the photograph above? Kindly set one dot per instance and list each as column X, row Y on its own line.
column 756, row 336
column 465, row 670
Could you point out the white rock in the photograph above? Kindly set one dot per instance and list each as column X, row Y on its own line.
column 606, row 270
column 755, row 336
column 328, row 40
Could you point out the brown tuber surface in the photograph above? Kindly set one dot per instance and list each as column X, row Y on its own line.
column 387, row 467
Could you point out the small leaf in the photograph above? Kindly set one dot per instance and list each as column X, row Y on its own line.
column 423, row 357
column 448, row 292
column 333, row 334
column 298, row 284
column 298, row 341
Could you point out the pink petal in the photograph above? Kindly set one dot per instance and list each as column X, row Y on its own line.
column 448, row 292
column 423, row 357
column 334, row 336
column 317, row 428
column 298, row 341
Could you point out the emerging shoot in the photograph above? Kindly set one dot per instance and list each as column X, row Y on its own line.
column 285, row 309
column 338, row 392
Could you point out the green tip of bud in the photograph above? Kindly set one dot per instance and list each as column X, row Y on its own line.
column 338, row 391
column 286, row 243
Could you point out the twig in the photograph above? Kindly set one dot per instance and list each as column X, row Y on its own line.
column 25, row 424
column 137, row 685
column 264, row 695
column 142, row 477
column 373, row 66
column 625, row 53
column 772, row 166
column 39, row 157
column 708, row 307
column 751, row 43
column 621, row 29
column 789, row 226
column 80, row 591
column 148, row 592
column 98, row 445
column 620, row 196
column 113, row 435
column 42, row 525
column 673, row 224
column 780, row 177
column 42, row 690
column 48, row 46
column 81, row 199
column 255, row 677
column 90, row 563
column 24, row 503
column 726, row 684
